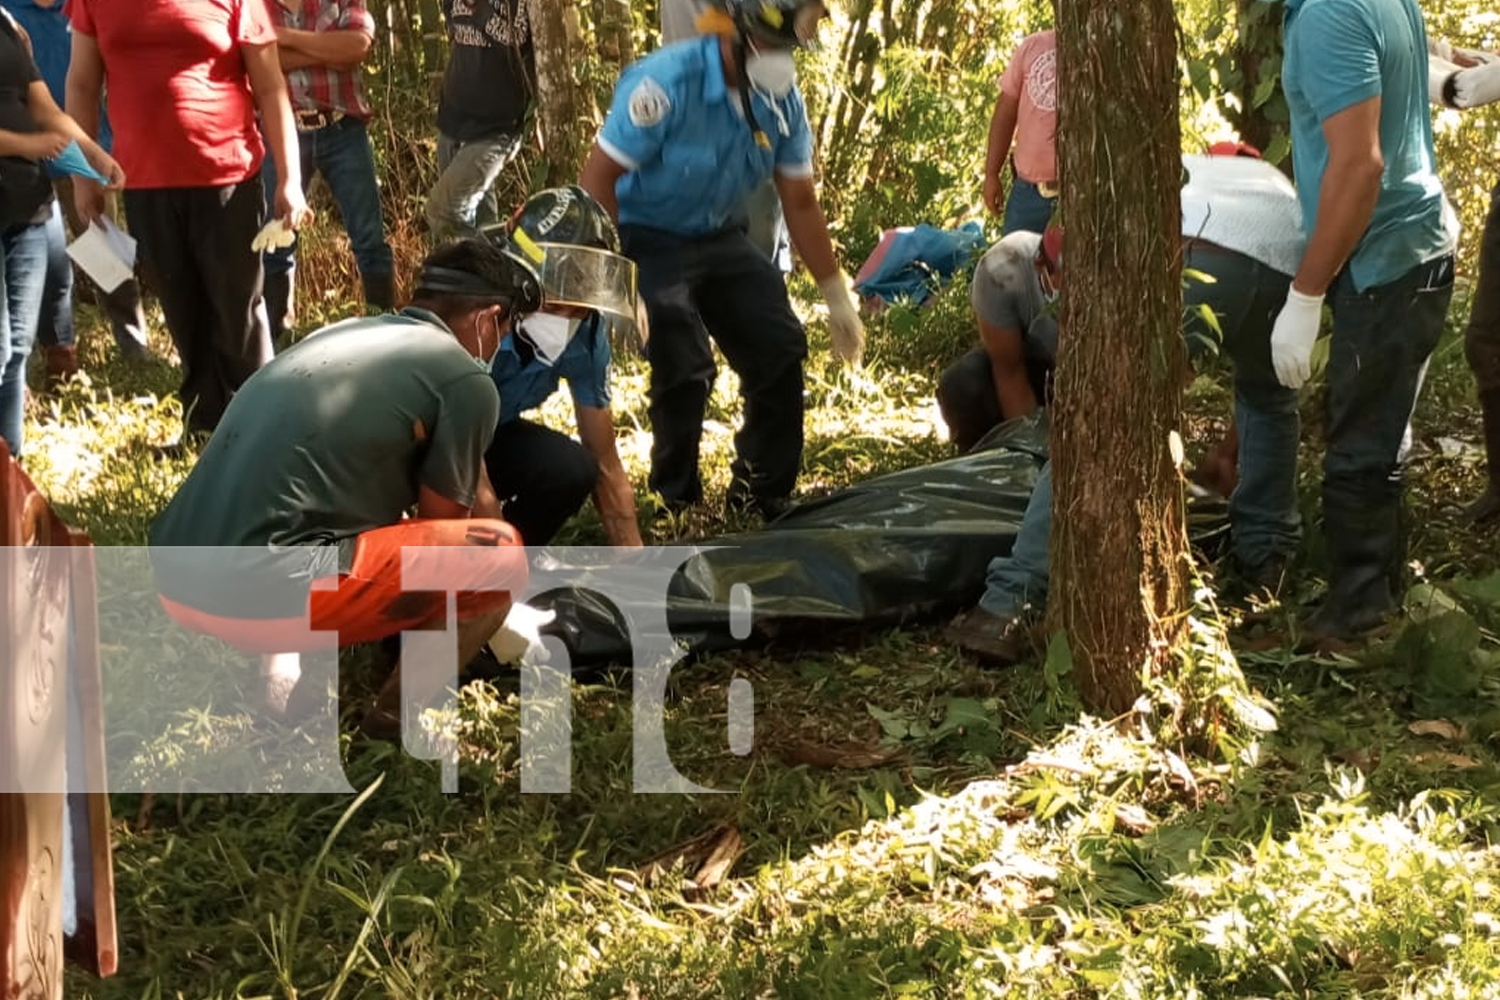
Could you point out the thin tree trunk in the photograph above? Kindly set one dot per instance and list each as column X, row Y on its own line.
column 1119, row 540
column 613, row 29
column 559, row 102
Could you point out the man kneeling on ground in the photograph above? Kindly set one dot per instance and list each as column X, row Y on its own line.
column 319, row 460
column 543, row 476
column 1241, row 229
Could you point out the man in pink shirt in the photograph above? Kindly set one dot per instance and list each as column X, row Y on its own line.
column 1025, row 118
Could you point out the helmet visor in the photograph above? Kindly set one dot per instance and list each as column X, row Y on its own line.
column 588, row 278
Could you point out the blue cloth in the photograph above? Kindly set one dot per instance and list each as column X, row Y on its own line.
column 690, row 157
column 341, row 152
column 52, row 48
column 525, row 385
column 1340, row 53
column 921, row 259
column 72, row 161
column 23, row 275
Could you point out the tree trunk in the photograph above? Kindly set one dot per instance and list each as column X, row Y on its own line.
column 613, row 29
column 1119, row 540
column 559, row 101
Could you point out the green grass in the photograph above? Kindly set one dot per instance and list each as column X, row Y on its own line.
column 910, row 824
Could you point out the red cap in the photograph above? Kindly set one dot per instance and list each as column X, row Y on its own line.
column 1233, row 149
column 1052, row 245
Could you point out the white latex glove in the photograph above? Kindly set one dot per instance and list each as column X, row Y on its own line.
column 1478, row 56
column 1477, row 86
column 847, row 331
column 520, row 638
column 272, row 236
column 1293, row 335
column 1439, row 70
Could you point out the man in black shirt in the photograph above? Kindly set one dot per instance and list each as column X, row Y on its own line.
column 487, row 91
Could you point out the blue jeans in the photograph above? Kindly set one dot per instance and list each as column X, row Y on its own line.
column 1245, row 297
column 1026, row 209
column 1019, row 579
column 341, row 153
column 23, row 276
column 55, row 325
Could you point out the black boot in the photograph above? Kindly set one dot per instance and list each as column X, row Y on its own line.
column 1487, row 507
column 1366, row 569
column 279, row 310
column 380, row 292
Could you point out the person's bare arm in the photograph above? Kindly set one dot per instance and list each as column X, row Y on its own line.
column 432, row 505
column 82, row 94
column 1346, row 199
column 341, row 49
column 806, row 224
column 1002, row 132
column 268, row 84
column 486, row 502
column 614, row 497
column 51, row 118
column 1006, row 349
column 598, row 178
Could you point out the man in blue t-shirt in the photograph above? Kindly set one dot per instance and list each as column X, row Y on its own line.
column 47, row 25
column 542, row 476
column 1380, row 251
column 694, row 128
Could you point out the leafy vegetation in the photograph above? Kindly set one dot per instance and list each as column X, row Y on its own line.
column 908, row 824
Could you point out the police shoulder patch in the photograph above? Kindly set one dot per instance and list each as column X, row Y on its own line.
column 649, row 104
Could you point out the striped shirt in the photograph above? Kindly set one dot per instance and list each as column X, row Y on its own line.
column 319, row 88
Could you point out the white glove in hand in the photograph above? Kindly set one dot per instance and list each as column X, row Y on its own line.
column 1477, row 86
column 1474, row 55
column 273, row 236
column 520, row 638
column 1293, row 335
column 847, row 331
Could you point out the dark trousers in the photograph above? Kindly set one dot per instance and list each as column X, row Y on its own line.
column 194, row 249
column 341, row 153
column 720, row 286
column 1482, row 336
column 122, row 306
column 542, row 478
column 968, row 401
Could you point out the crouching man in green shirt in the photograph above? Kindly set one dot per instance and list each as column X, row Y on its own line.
column 294, row 520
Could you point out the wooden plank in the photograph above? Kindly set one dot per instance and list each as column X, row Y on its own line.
column 46, row 579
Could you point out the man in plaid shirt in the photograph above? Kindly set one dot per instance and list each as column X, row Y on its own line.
column 322, row 44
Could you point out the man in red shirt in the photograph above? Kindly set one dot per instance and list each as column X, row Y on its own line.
column 322, row 44
column 186, row 79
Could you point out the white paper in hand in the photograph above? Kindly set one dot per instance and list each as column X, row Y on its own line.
column 520, row 638
column 105, row 254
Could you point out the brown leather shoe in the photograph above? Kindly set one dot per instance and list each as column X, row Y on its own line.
column 62, row 365
column 991, row 637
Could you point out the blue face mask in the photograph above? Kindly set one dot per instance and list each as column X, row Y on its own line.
column 487, row 365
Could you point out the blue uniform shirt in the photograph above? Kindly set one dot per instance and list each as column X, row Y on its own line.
column 680, row 133
column 525, row 385
column 1340, row 53
column 53, row 49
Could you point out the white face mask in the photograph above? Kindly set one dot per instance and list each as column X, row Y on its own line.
column 774, row 71
column 549, row 335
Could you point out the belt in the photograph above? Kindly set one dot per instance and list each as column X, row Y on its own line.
column 1190, row 243
column 310, row 121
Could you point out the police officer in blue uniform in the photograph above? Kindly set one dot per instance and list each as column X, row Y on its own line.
column 541, row 476
column 693, row 129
